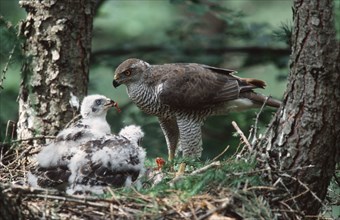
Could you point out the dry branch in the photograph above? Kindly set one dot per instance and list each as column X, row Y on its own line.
column 198, row 171
column 239, row 131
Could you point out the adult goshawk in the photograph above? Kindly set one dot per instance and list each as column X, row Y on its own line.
column 183, row 95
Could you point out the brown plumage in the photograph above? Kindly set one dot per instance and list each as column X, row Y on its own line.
column 182, row 95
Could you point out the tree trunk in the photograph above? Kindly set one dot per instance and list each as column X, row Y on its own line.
column 303, row 142
column 57, row 48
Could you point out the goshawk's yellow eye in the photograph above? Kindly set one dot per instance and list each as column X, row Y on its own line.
column 127, row 72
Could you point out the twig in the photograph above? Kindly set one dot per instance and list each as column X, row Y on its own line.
column 257, row 120
column 266, row 169
column 27, row 190
column 212, row 211
column 82, row 200
column 306, row 187
column 245, row 140
column 296, row 196
column 235, row 155
column 218, row 156
column 290, row 210
column 21, row 155
column 192, row 210
column 198, row 171
column 205, row 168
column 318, row 217
column 32, row 138
column 297, row 209
column 57, row 195
column 79, row 213
column 270, row 171
column 141, row 195
column 336, row 179
column 247, row 173
column 269, row 188
column 113, row 198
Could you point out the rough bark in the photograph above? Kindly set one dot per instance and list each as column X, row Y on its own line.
column 303, row 141
column 57, row 47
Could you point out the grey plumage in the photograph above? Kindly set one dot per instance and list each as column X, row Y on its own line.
column 86, row 157
column 92, row 125
column 112, row 160
column 183, row 95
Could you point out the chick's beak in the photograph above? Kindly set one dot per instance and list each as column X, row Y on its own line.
column 111, row 103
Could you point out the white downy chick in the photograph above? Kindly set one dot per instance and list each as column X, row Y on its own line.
column 58, row 153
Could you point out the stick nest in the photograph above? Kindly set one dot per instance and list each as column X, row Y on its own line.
column 227, row 190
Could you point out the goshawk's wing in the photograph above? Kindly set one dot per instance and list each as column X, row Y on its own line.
column 196, row 86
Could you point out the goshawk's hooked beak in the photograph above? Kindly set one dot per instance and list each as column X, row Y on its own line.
column 115, row 83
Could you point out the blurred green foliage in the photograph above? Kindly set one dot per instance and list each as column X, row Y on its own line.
column 172, row 31
column 188, row 31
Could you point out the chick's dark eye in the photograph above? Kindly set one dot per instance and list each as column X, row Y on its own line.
column 139, row 141
column 98, row 102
